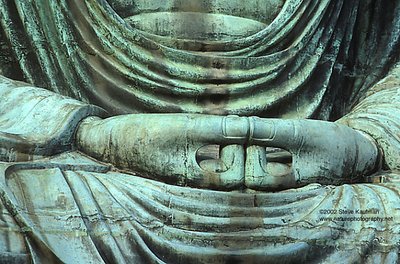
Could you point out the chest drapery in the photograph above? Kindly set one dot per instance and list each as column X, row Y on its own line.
column 300, row 64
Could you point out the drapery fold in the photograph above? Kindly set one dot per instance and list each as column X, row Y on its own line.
column 378, row 114
column 35, row 122
column 304, row 64
column 113, row 217
column 317, row 59
column 118, row 218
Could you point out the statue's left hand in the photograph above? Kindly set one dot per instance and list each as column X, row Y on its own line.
column 164, row 146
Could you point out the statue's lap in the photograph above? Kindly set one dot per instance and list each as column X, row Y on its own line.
column 73, row 206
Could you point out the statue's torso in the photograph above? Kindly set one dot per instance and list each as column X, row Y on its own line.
column 270, row 59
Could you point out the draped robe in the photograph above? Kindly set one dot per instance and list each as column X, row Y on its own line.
column 322, row 59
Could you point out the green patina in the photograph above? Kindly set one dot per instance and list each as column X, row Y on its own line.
column 206, row 131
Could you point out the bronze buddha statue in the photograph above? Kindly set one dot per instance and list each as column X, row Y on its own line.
column 205, row 131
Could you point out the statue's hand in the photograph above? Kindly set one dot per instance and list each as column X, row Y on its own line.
column 164, row 146
column 322, row 152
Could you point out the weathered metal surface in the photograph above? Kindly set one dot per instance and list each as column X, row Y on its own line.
column 210, row 155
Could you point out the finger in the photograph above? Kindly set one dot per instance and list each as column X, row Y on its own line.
column 211, row 129
column 224, row 174
column 280, row 133
column 255, row 168
column 221, row 130
column 233, row 157
column 263, row 175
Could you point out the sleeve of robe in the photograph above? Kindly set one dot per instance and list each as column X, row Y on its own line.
column 35, row 122
column 378, row 114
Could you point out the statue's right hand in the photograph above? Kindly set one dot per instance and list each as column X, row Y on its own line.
column 164, row 146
